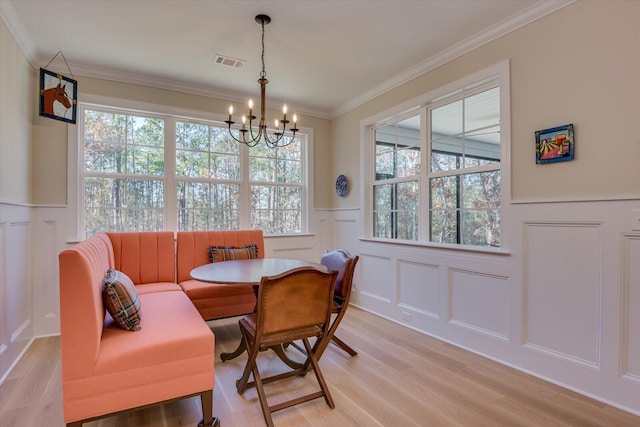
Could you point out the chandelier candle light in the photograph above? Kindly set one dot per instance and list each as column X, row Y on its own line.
column 277, row 139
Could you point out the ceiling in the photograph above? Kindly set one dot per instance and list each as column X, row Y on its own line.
column 322, row 57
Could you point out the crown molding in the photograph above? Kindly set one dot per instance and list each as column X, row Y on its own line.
column 106, row 73
column 531, row 14
column 16, row 27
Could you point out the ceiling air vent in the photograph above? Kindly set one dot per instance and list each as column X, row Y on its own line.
column 228, row 61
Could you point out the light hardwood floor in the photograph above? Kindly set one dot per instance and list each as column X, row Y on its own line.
column 400, row 378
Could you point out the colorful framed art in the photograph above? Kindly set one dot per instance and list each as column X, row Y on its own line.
column 555, row 144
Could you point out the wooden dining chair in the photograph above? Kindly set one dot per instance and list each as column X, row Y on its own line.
column 295, row 305
column 345, row 263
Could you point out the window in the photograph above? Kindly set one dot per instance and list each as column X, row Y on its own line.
column 436, row 173
column 138, row 174
column 396, row 189
column 123, row 186
column 464, row 177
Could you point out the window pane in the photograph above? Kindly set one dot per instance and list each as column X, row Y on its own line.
column 123, row 205
column 292, row 151
column 104, row 157
column 147, row 131
column 192, row 163
column 444, row 226
column 276, row 209
column 481, row 190
column 192, row 136
column 289, row 171
column 482, row 110
column 446, row 154
column 102, row 126
column 444, row 192
column 383, row 197
column 145, row 160
column 396, row 210
column 224, row 166
column 385, row 164
column 398, row 149
column 221, row 142
column 446, row 120
column 481, row 227
column 262, row 169
column 382, row 225
column 408, row 161
column 206, row 206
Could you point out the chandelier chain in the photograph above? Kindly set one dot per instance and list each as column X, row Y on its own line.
column 263, row 73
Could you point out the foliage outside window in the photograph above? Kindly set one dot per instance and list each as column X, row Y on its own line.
column 128, row 177
column 460, row 187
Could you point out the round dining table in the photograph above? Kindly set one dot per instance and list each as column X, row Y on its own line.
column 250, row 272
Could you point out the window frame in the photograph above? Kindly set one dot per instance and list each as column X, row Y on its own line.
column 418, row 105
column 172, row 115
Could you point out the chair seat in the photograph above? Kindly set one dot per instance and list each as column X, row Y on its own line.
column 274, row 338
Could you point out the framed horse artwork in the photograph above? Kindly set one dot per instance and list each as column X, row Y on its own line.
column 58, row 96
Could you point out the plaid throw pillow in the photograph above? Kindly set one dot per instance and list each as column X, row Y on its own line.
column 230, row 253
column 121, row 300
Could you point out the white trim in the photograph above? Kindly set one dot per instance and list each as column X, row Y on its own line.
column 171, row 115
column 531, row 14
column 501, row 71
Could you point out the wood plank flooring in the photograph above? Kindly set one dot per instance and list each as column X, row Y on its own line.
column 400, row 378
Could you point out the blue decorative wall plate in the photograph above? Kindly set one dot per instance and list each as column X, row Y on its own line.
column 342, row 185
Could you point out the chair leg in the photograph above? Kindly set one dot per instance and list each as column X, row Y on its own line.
column 241, row 383
column 316, row 370
column 266, row 411
column 337, row 341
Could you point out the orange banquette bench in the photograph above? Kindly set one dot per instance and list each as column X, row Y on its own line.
column 106, row 369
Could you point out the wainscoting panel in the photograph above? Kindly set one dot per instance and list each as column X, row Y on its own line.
column 378, row 280
column 479, row 301
column 45, row 249
column 418, row 288
column 16, row 311
column 18, row 303
column 3, row 286
column 563, row 286
column 631, row 307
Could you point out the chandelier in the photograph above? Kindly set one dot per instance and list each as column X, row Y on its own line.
column 277, row 137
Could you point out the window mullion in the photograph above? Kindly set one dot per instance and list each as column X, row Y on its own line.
column 170, row 178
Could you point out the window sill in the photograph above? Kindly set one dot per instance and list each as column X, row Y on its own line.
column 442, row 246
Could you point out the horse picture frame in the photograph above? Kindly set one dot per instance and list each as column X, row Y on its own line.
column 58, row 96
